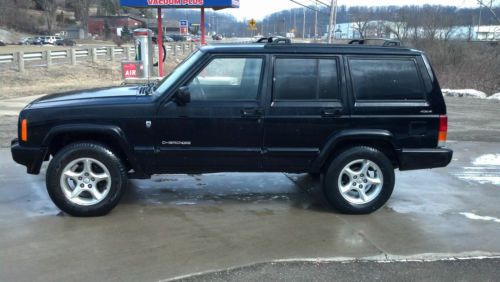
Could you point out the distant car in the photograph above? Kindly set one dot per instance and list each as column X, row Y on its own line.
column 50, row 39
column 217, row 37
column 195, row 39
column 27, row 41
column 165, row 39
column 38, row 40
column 65, row 42
column 179, row 37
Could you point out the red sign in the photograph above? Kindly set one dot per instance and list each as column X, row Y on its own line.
column 129, row 70
column 175, row 2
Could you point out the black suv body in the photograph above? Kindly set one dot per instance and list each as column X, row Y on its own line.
column 350, row 113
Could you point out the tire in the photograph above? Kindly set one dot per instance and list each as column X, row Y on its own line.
column 84, row 190
column 374, row 185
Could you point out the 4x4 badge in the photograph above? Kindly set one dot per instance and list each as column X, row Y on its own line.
column 148, row 124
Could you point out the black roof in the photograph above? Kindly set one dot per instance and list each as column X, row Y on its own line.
column 309, row 48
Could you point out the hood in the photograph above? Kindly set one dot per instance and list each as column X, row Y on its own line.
column 100, row 93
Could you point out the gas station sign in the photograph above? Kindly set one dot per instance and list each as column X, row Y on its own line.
column 183, row 27
column 172, row 4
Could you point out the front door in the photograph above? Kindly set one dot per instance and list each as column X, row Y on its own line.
column 305, row 109
column 221, row 128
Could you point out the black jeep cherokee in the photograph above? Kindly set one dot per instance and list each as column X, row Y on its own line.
column 352, row 114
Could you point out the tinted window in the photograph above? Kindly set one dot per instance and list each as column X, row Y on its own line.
column 305, row 79
column 227, row 79
column 386, row 79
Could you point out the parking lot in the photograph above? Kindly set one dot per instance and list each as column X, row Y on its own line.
column 177, row 225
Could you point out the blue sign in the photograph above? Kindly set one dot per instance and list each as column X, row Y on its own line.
column 216, row 4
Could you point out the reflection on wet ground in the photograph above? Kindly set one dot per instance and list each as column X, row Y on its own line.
column 177, row 224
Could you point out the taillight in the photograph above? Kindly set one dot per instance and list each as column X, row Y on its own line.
column 443, row 129
column 24, row 130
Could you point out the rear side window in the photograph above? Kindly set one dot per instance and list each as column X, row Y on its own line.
column 305, row 79
column 386, row 79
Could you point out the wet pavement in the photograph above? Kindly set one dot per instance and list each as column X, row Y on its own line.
column 175, row 225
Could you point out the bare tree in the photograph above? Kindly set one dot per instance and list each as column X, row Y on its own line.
column 398, row 24
column 49, row 12
column 448, row 25
column 431, row 21
column 81, row 8
column 490, row 9
column 361, row 18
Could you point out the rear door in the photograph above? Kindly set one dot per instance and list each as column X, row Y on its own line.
column 391, row 93
column 305, row 107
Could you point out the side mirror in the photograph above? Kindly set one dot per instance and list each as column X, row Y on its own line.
column 183, row 96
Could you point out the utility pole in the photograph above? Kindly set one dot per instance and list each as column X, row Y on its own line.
column 333, row 21
column 316, row 21
column 304, row 25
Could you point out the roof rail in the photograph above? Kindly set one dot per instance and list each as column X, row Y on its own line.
column 373, row 41
column 274, row 40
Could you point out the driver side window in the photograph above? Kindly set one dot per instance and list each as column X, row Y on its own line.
column 227, row 79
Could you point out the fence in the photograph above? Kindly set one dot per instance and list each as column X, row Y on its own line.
column 48, row 58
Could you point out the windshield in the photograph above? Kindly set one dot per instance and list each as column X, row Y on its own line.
column 180, row 70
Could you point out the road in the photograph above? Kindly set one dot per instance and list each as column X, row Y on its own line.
column 176, row 225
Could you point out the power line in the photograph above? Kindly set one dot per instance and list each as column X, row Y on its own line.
column 305, row 6
column 321, row 2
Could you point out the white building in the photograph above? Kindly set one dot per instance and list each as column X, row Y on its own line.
column 488, row 32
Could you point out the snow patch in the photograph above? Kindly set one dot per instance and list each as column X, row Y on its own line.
column 486, row 170
column 489, row 159
column 467, row 93
column 473, row 216
column 495, row 96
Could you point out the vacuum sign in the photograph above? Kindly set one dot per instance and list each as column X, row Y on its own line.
column 175, row 2
column 217, row 4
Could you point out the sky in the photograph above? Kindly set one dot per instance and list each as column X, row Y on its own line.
column 258, row 9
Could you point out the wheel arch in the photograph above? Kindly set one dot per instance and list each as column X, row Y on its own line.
column 379, row 139
column 109, row 135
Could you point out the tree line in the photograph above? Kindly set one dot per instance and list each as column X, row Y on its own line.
column 45, row 16
column 427, row 19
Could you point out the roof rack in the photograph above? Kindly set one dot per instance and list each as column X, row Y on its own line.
column 274, row 40
column 372, row 41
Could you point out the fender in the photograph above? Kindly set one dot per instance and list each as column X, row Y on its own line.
column 113, row 131
column 354, row 135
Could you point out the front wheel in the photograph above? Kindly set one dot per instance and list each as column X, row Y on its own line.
column 86, row 179
column 359, row 180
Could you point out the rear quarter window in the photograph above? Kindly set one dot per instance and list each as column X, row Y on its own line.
column 386, row 79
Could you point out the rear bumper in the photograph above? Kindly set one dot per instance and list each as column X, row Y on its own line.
column 410, row 159
column 31, row 157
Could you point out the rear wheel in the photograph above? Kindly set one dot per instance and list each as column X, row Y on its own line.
column 86, row 179
column 359, row 180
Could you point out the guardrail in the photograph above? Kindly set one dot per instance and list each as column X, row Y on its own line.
column 48, row 58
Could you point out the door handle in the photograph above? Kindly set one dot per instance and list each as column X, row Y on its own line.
column 251, row 112
column 331, row 112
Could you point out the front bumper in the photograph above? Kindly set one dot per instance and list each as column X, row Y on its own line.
column 31, row 157
column 410, row 159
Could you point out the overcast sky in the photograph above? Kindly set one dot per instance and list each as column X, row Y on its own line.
column 257, row 9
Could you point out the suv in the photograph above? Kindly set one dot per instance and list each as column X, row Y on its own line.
column 350, row 113
column 50, row 39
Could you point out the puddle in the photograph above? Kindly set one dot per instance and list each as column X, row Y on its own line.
column 486, row 170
